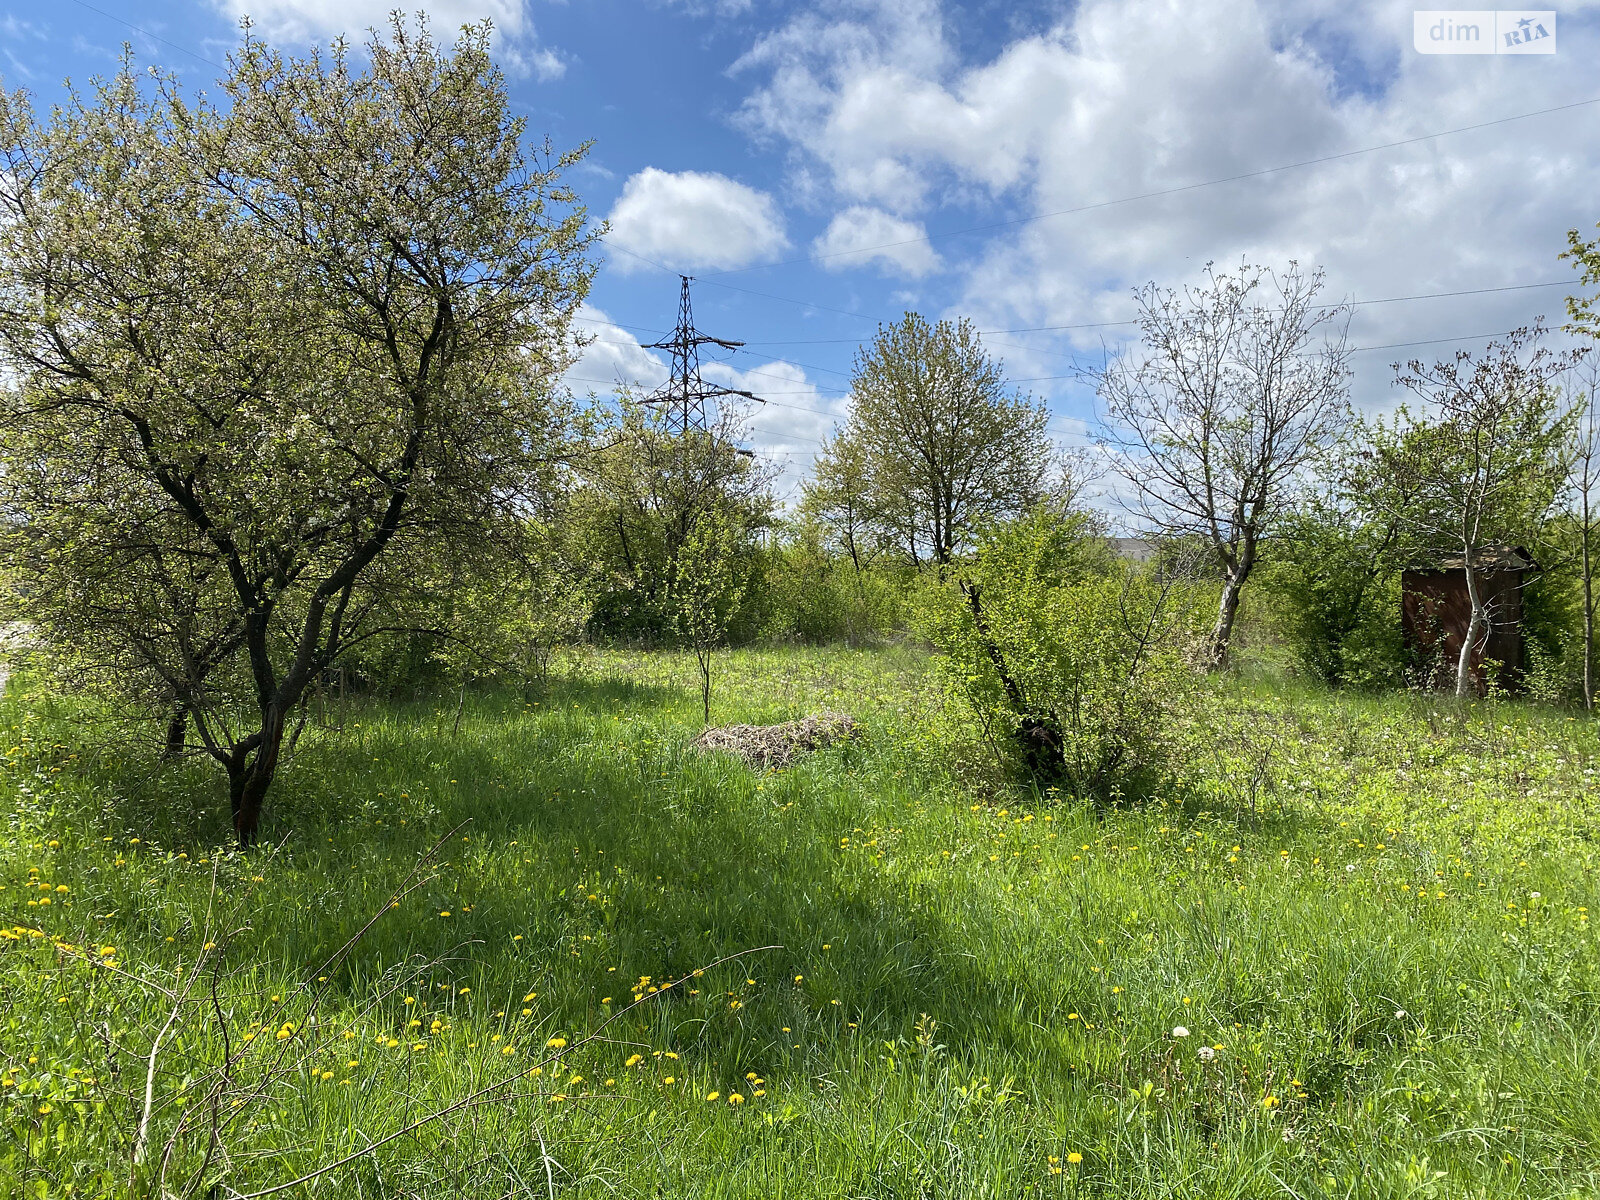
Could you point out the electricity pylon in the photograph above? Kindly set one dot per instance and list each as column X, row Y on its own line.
column 683, row 397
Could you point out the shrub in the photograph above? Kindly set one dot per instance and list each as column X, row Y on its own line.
column 1335, row 585
column 816, row 595
column 1070, row 659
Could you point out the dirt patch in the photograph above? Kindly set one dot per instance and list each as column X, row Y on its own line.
column 767, row 746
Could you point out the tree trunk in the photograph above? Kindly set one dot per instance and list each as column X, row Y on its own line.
column 1227, row 613
column 177, row 733
column 1040, row 742
column 250, row 775
column 1466, row 685
column 705, row 686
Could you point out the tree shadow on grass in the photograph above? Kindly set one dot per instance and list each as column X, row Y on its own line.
column 595, row 849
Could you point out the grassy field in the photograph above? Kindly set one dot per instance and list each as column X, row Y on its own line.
column 1350, row 956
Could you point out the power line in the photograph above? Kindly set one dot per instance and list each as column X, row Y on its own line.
column 1464, row 337
column 1355, row 303
column 1081, row 374
column 634, row 383
column 153, row 37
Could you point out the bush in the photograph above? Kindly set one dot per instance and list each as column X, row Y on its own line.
column 1071, row 660
column 814, row 595
column 1335, row 585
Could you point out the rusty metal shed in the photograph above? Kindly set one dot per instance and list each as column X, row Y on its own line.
column 1435, row 610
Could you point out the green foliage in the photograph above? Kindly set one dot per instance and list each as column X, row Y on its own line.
column 274, row 365
column 1070, row 660
column 641, row 492
column 1396, row 946
column 1552, row 615
column 1334, row 581
column 707, row 589
column 936, row 445
column 814, row 594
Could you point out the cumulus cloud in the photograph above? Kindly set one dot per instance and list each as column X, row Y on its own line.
column 694, row 219
column 610, row 357
column 787, row 429
column 1122, row 98
column 861, row 235
column 308, row 21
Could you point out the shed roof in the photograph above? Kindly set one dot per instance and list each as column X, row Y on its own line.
column 1491, row 558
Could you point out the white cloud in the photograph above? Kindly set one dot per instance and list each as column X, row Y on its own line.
column 311, row 21
column 707, row 8
column 612, row 357
column 693, row 219
column 860, row 235
column 787, row 429
column 1128, row 97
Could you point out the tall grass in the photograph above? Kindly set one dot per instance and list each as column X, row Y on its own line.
column 1350, row 955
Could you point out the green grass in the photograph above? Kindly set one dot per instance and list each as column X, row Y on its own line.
column 949, row 989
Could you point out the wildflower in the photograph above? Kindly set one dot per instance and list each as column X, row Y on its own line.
column 1270, row 1103
column 1207, row 1054
column 556, row 1043
column 634, row 1060
column 712, row 1096
column 735, row 1099
column 1074, row 1158
column 1178, row 1031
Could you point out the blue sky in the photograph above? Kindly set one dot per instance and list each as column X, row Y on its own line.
column 821, row 166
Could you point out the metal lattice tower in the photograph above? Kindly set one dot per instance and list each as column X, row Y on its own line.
column 684, row 396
